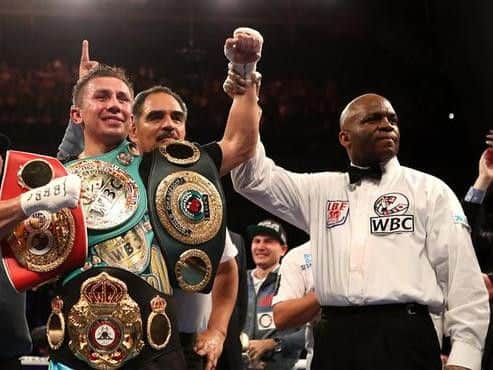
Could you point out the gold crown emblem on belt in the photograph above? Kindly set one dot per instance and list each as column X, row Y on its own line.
column 105, row 290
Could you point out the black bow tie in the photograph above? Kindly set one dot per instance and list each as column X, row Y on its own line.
column 357, row 174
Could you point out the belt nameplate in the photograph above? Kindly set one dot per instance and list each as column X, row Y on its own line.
column 129, row 251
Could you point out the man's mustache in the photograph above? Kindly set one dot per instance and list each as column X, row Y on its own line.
column 165, row 135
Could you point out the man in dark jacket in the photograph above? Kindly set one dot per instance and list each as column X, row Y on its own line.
column 268, row 348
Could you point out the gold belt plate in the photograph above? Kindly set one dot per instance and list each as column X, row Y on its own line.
column 105, row 325
column 189, row 207
column 44, row 240
column 129, row 251
column 181, row 152
column 193, row 270
column 109, row 195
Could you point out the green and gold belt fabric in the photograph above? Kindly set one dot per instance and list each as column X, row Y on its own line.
column 188, row 213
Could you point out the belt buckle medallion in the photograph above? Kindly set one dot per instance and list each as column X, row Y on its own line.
column 109, row 195
column 105, row 325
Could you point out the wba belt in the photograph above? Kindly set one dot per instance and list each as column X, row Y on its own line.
column 45, row 245
column 112, row 192
column 108, row 318
column 188, row 213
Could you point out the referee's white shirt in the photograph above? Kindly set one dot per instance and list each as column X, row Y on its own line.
column 403, row 238
column 296, row 280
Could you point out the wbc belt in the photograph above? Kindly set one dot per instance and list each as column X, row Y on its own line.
column 45, row 245
column 112, row 192
column 187, row 212
column 108, row 318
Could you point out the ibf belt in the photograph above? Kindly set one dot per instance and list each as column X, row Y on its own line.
column 46, row 244
column 187, row 212
column 112, row 193
column 109, row 318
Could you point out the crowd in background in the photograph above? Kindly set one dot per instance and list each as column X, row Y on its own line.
column 37, row 99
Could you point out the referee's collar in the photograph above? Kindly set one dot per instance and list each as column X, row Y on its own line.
column 391, row 165
column 389, row 168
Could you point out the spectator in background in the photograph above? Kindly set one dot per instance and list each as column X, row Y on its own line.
column 295, row 303
column 478, row 206
column 268, row 347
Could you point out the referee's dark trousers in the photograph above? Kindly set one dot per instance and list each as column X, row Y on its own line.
column 377, row 337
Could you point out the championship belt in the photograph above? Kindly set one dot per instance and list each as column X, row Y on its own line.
column 112, row 192
column 108, row 318
column 45, row 245
column 187, row 212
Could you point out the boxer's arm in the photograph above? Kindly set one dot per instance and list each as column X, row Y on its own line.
column 11, row 214
column 241, row 132
column 73, row 140
column 242, row 127
column 59, row 193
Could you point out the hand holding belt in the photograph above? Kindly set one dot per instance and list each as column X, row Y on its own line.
column 187, row 212
column 53, row 239
column 108, row 318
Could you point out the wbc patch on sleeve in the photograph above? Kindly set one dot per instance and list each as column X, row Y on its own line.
column 337, row 212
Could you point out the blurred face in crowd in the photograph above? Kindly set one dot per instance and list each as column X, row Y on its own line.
column 369, row 130
column 161, row 118
column 267, row 251
column 104, row 110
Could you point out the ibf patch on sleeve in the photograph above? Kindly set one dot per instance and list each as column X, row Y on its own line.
column 337, row 212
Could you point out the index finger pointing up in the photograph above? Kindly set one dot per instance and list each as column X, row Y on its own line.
column 84, row 57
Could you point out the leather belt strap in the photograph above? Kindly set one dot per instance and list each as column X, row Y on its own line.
column 188, row 213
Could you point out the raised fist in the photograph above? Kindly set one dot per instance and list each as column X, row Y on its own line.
column 244, row 50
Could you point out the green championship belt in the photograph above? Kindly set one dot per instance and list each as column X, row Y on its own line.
column 187, row 212
column 112, row 192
